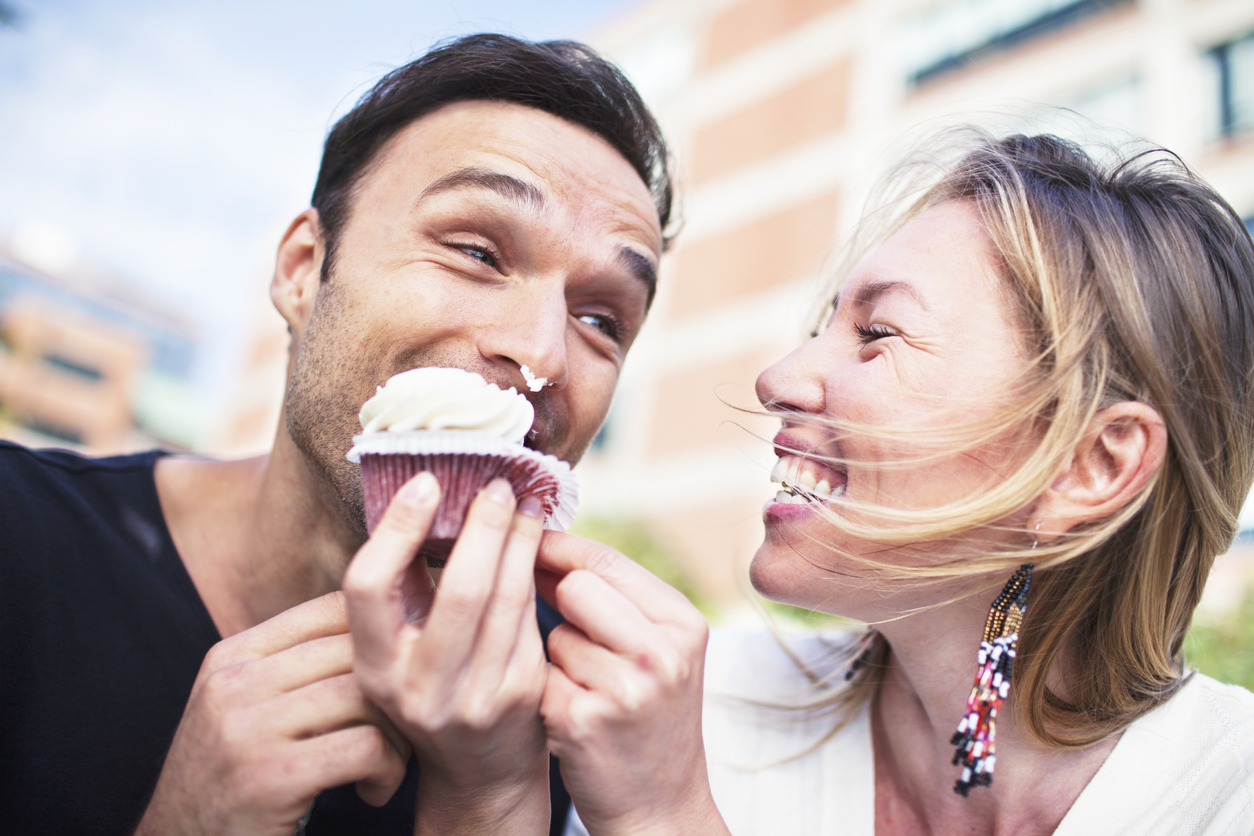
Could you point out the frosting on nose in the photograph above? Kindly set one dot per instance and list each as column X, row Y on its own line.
column 535, row 384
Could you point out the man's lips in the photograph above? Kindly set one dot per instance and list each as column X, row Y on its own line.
column 541, row 434
column 537, row 438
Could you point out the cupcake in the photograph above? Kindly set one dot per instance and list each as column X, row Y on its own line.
column 464, row 431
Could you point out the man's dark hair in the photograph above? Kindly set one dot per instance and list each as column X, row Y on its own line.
column 564, row 78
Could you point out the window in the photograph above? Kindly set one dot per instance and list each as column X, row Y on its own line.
column 1232, row 78
column 74, row 367
column 957, row 33
column 56, row 432
column 602, row 439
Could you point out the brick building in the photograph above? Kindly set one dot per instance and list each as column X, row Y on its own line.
column 782, row 112
column 87, row 361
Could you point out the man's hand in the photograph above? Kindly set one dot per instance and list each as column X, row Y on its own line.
column 622, row 705
column 460, row 671
column 275, row 716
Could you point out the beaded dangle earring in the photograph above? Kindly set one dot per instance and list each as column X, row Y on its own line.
column 976, row 735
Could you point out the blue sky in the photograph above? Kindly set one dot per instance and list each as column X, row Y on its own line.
column 171, row 142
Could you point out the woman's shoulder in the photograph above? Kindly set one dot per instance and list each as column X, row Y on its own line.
column 763, row 665
column 1207, row 719
column 779, row 757
column 1232, row 702
column 1185, row 767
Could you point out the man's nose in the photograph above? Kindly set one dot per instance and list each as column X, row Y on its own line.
column 530, row 331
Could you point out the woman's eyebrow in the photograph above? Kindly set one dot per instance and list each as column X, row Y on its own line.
column 869, row 292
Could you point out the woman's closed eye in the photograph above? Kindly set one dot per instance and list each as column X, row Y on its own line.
column 868, row 334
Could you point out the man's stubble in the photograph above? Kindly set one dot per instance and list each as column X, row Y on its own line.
column 321, row 406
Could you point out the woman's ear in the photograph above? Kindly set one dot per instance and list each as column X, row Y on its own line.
column 298, row 272
column 1122, row 451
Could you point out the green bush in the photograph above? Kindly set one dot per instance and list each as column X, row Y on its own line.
column 633, row 539
column 1224, row 649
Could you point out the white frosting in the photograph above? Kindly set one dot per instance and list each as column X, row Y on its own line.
column 535, row 384
column 447, row 399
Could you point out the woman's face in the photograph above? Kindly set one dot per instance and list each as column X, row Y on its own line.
column 922, row 335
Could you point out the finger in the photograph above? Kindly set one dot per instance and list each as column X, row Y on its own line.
column 604, row 614
column 560, row 695
column 295, row 667
column 586, row 663
column 361, row 755
column 325, row 616
column 326, row 706
column 467, row 582
column 510, row 621
column 566, row 553
column 379, row 577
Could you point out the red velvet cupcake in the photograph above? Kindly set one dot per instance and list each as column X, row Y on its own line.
column 464, row 431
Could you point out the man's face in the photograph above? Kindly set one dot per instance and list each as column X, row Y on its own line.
column 486, row 236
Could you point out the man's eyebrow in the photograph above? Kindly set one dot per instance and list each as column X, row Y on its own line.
column 642, row 268
column 508, row 187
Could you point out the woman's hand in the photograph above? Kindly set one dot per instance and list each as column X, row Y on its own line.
column 461, row 670
column 622, row 706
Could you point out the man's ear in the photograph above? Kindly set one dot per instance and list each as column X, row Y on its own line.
column 298, row 272
column 1122, row 451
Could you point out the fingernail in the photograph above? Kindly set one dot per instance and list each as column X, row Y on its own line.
column 417, row 492
column 499, row 491
column 530, row 506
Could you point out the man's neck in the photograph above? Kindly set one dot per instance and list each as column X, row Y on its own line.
column 258, row 536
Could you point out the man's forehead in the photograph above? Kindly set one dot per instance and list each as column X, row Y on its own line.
column 521, row 141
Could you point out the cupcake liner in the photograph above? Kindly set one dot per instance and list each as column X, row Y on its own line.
column 463, row 463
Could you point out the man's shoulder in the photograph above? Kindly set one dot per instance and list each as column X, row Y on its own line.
column 61, row 505
column 31, row 476
column 17, row 458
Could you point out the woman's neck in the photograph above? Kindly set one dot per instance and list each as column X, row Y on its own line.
column 922, row 698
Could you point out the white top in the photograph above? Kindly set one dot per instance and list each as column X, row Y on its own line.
column 1185, row 768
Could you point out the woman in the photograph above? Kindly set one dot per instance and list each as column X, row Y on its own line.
column 1022, row 435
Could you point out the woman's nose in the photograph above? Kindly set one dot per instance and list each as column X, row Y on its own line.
column 793, row 383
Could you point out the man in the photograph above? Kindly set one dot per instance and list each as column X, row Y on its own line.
column 171, row 656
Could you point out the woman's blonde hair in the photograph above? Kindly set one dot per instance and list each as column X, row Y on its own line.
column 1133, row 281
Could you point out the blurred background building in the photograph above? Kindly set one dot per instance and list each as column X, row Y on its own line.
column 91, row 361
column 88, row 361
column 781, row 113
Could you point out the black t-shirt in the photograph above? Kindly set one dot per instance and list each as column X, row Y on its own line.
column 101, row 635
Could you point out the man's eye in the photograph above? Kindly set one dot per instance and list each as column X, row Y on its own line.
column 479, row 254
column 604, row 323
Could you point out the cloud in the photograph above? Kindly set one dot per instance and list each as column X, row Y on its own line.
column 172, row 142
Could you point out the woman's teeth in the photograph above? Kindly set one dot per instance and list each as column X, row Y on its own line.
column 805, row 480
